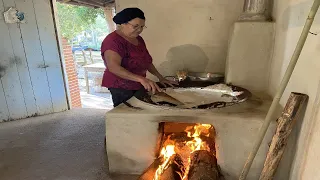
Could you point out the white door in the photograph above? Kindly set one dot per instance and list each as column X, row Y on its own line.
column 31, row 78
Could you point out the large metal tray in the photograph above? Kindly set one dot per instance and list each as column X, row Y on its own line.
column 223, row 99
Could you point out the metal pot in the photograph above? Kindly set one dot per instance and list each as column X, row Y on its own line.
column 201, row 76
column 213, row 77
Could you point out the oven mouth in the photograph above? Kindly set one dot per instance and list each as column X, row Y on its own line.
column 184, row 151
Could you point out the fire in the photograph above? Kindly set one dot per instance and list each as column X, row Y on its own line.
column 166, row 152
column 195, row 144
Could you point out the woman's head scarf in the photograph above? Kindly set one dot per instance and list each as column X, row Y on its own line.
column 127, row 15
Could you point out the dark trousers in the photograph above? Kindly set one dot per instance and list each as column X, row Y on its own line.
column 122, row 95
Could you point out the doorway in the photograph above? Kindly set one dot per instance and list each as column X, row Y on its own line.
column 82, row 28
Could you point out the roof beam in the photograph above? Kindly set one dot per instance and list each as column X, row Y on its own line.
column 94, row 2
column 81, row 4
column 109, row 3
column 97, row 1
column 105, row 3
column 90, row 3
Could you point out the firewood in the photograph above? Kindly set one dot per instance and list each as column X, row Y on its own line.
column 149, row 173
column 279, row 141
column 168, row 174
column 203, row 166
column 174, row 171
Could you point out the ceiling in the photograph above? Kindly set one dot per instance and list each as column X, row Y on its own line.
column 89, row 3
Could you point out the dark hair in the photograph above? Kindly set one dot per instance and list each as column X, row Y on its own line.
column 127, row 15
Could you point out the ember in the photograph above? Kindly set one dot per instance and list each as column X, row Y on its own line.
column 181, row 153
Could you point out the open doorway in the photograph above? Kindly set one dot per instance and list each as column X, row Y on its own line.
column 83, row 25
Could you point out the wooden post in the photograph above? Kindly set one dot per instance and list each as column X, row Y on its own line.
column 280, row 138
column 90, row 55
column 108, row 13
column 87, row 80
column 84, row 57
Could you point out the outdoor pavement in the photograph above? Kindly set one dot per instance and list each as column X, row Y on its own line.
column 99, row 97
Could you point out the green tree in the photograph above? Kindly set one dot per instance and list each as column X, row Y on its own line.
column 75, row 19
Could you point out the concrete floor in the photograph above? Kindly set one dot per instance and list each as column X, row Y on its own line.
column 96, row 100
column 61, row 146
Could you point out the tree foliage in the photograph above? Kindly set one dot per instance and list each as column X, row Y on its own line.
column 75, row 19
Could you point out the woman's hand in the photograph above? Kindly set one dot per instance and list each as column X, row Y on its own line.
column 150, row 85
column 152, row 69
column 165, row 82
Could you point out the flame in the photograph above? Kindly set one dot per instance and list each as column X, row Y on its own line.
column 196, row 144
column 166, row 152
column 194, row 132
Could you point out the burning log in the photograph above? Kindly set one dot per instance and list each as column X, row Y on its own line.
column 149, row 173
column 280, row 138
column 203, row 166
column 185, row 151
column 168, row 174
column 172, row 172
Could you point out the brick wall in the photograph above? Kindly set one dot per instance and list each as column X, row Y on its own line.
column 72, row 75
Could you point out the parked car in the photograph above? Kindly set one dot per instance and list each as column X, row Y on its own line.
column 78, row 48
column 94, row 48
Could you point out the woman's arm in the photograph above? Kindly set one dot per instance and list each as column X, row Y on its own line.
column 114, row 66
column 153, row 70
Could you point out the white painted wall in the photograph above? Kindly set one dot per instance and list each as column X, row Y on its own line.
column 290, row 16
column 187, row 33
column 249, row 55
column 31, row 79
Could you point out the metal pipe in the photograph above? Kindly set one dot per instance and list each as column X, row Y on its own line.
column 255, row 6
column 255, row 10
column 283, row 85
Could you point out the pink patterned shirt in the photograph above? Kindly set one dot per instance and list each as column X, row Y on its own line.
column 135, row 59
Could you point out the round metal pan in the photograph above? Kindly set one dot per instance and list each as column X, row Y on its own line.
column 205, row 76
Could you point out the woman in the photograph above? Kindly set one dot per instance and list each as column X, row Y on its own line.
column 127, row 58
